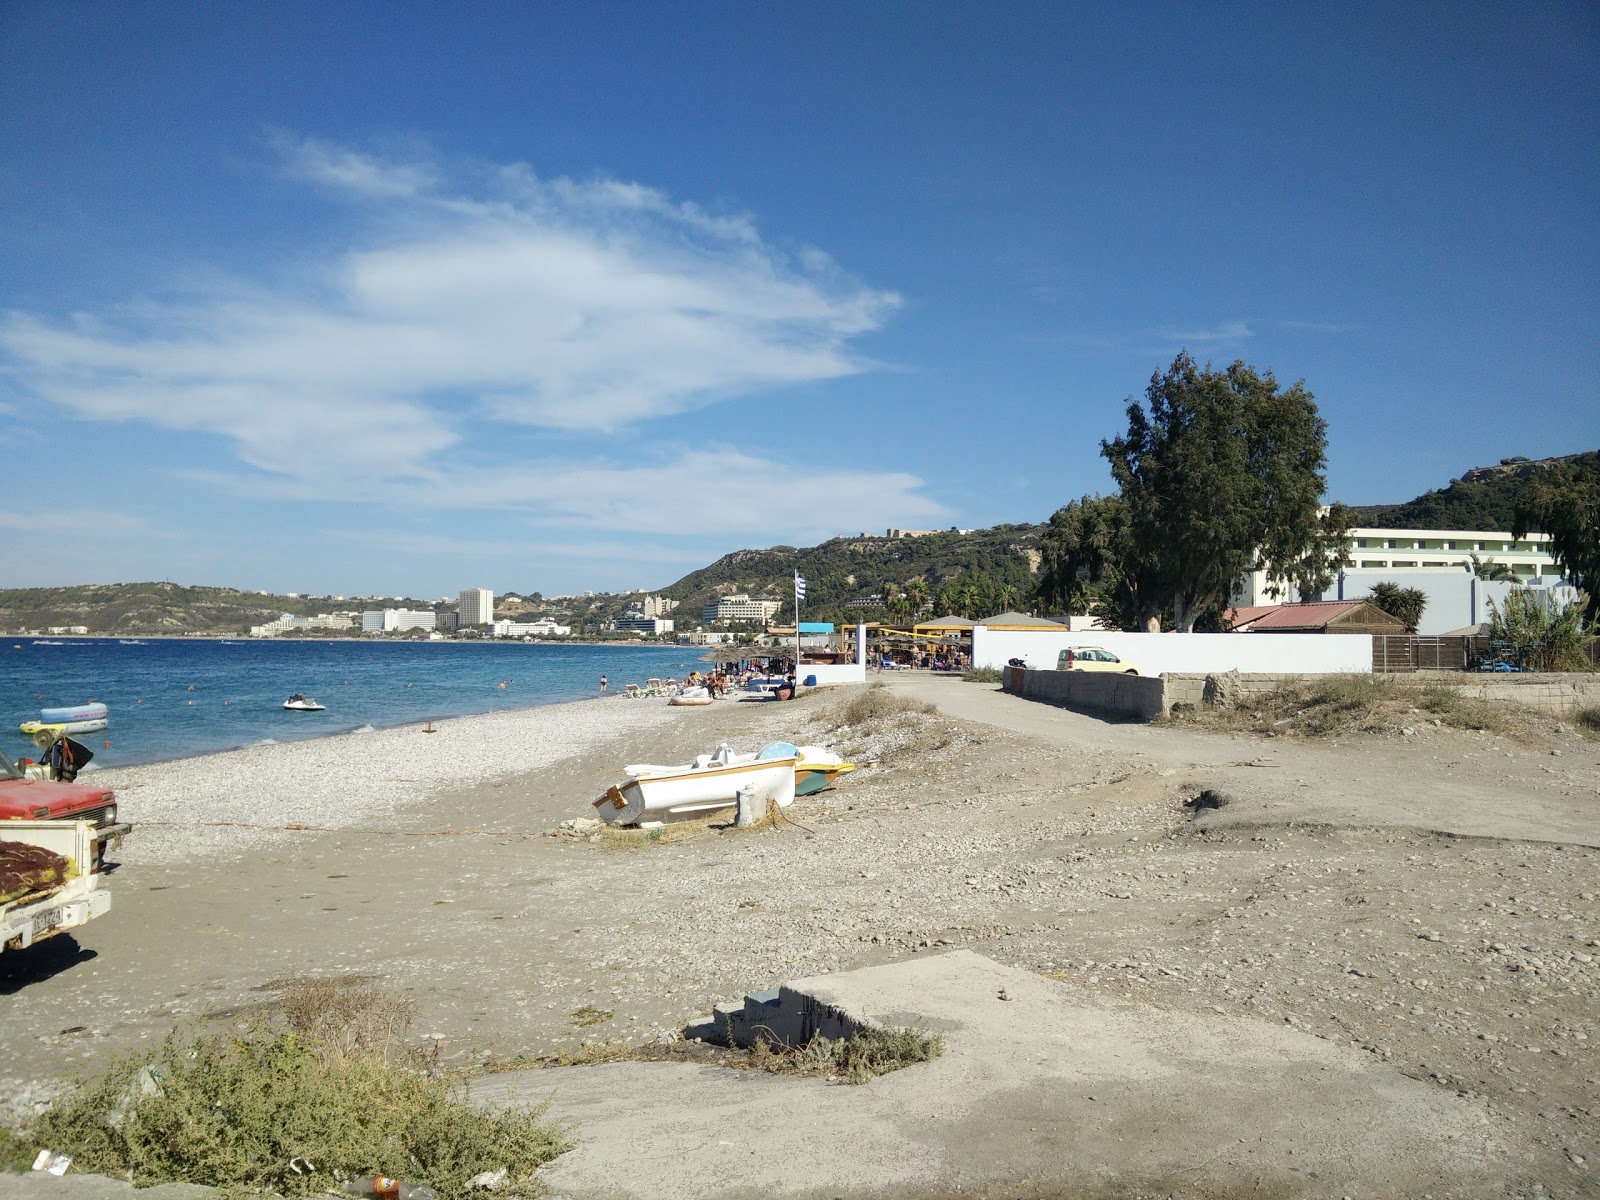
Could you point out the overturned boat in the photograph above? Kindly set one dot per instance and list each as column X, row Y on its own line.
column 655, row 795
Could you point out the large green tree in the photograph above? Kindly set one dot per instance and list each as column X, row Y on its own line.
column 1564, row 502
column 1223, row 474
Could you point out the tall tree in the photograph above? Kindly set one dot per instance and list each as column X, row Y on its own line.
column 1222, row 475
column 1564, row 502
column 916, row 593
column 1488, row 569
column 1402, row 603
column 1087, row 564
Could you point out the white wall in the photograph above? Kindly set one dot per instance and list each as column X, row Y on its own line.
column 831, row 673
column 1185, row 653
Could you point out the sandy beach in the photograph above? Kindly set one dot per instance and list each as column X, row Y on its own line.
column 1425, row 904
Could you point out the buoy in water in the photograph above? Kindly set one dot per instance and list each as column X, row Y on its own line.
column 108, row 745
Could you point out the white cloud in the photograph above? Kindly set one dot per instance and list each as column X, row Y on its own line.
column 562, row 304
column 712, row 493
column 1219, row 334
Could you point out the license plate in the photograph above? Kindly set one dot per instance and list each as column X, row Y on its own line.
column 48, row 919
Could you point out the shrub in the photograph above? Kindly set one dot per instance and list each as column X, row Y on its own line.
column 1551, row 638
column 233, row 1111
column 981, row 675
column 863, row 1055
column 1588, row 718
column 877, row 704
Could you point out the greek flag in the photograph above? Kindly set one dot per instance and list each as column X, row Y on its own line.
column 799, row 588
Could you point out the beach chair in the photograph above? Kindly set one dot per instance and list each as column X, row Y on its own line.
column 633, row 692
column 652, row 686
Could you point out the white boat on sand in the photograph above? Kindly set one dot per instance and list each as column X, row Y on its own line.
column 654, row 795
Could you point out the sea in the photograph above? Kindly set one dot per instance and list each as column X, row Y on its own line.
column 177, row 697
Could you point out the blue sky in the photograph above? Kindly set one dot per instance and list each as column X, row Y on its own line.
column 393, row 298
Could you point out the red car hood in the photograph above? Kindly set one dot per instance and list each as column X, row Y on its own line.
column 41, row 800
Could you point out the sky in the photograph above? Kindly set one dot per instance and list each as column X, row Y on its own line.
column 406, row 298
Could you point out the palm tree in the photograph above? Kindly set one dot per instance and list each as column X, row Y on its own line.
column 916, row 594
column 1487, row 568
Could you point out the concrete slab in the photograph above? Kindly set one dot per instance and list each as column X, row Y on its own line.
column 1043, row 1089
column 41, row 1185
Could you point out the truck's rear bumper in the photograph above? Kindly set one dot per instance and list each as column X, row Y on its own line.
column 37, row 922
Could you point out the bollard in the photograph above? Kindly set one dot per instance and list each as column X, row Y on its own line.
column 753, row 807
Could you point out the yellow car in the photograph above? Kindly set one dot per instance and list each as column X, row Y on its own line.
column 1092, row 658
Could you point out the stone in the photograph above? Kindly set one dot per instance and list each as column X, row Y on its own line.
column 1223, row 690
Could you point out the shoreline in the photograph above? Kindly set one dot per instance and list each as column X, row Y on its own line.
column 224, row 804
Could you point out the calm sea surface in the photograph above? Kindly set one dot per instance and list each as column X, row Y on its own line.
column 174, row 698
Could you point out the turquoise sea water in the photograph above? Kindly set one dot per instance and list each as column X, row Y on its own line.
column 171, row 698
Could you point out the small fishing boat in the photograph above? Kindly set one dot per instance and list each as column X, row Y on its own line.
column 654, row 795
column 85, row 718
column 299, row 703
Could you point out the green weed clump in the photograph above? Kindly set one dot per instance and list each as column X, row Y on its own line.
column 981, row 675
column 1588, row 718
column 863, row 1055
column 234, row 1112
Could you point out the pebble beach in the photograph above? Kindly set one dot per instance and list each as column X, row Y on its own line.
column 225, row 806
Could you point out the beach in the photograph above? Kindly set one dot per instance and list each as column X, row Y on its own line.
column 1424, row 905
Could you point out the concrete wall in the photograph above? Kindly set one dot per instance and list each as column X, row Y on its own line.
column 1185, row 653
column 1131, row 697
column 829, row 674
column 1557, row 694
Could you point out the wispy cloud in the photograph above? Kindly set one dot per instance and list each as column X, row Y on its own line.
column 1222, row 334
column 477, row 296
column 1315, row 327
column 665, row 497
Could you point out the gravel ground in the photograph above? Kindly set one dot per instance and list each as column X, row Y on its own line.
column 1070, row 848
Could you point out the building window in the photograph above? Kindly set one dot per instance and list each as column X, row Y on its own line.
column 1398, row 563
column 1392, row 545
column 1449, row 545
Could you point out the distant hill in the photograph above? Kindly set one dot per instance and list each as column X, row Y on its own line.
column 845, row 572
column 1483, row 498
column 156, row 608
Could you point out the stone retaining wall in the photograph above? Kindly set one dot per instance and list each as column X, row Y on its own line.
column 1128, row 697
column 1141, row 698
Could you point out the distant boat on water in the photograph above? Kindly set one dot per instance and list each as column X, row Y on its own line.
column 299, row 703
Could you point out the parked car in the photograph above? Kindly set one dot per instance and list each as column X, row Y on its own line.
column 1093, row 658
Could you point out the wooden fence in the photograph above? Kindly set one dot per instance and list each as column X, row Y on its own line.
column 1407, row 652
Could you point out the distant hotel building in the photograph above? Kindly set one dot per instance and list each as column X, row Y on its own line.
column 656, row 606
column 638, row 623
column 540, row 628
column 389, row 620
column 1424, row 550
column 740, row 608
column 288, row 623
column 477, row 607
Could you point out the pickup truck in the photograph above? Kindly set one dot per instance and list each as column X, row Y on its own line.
column 50, row 880
column 76, row 823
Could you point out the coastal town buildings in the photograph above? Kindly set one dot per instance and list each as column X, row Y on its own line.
column 393, row 620
column 476, row 606
column 540, row 628
column 633, row 622
column 739, row 607
column 289, row 623
column 655, row 606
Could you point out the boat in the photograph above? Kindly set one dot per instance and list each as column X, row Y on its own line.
column 816, row 768
column 85, row 718
column 299, row 703
column 695, row 697
column 655, row 795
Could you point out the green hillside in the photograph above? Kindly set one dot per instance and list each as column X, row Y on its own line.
column 843, row 574
column 1484, row 498
column 157, row 608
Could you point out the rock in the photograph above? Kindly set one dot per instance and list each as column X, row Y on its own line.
column 1210, row 798
column 578, row 827
column 1223, row 690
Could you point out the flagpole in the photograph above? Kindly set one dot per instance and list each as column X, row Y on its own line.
column 797, row 633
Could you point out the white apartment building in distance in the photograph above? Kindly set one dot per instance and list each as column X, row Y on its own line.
column 477, row 607
column 656, row 606
column 740, row 608
column 544, row 627
column 392, row 620
column 1440, row 550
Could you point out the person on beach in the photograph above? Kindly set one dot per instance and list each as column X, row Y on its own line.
column 602, row 683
